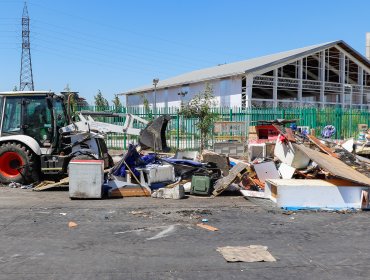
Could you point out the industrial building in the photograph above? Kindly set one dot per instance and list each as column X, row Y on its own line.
column 329, row 74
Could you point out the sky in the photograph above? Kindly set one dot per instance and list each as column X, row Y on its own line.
column 117, row 45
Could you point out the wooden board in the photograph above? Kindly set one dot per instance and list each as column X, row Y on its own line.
column 129, row 192
column 45, row 185
column 211, row 228
column 334, row 166
column 289, row 135
column 235, row 172
column 321, row 146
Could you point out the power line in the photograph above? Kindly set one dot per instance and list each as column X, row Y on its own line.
column 130, row 31
column 116, row 44
column 26, row 76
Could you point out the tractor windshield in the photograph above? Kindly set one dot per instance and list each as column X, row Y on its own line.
column 60, row 114
column 37, row 120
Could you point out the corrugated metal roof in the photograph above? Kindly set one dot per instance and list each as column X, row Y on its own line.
column 240, row 67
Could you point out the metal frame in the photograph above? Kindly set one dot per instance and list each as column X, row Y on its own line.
column 318, row 79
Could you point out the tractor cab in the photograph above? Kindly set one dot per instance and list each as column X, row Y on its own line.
column 35, row 114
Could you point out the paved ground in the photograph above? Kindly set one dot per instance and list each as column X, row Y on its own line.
column 145, row 238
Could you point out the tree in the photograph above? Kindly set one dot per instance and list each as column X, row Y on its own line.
column 100, row 101
column 146, row 106
column 200, row 107
column 117, row 103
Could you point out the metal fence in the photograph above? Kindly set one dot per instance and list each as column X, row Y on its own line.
column 182, row 132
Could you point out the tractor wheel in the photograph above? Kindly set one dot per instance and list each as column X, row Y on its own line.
column 17, row 164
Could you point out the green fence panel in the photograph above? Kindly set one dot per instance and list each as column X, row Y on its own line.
column 182, row 133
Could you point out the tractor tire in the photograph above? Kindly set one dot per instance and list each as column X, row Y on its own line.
column 18, row 164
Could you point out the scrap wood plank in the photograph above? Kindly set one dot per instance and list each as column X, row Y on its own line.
column 286, row 132
column 321, row 146
column 45, row 185
column 211, row 228
column 335, row 166
column 235, row 172
column 129, row 192
column 289, row 135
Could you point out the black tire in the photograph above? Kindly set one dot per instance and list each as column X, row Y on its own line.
column 18, row 164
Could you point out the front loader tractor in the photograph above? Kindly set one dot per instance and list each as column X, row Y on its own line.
column 38, row 138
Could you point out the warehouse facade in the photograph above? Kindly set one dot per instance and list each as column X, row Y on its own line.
column 329, row 74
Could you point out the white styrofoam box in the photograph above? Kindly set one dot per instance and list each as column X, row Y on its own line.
column 285, row 152
column 177, row 192
column 266, row 170
column 256, row 150
column 159, row 173
column 286, row 171
column 313, row 194
column 86, row 178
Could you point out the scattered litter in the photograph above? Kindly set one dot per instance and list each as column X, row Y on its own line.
column 15, row 185
column 211, row 228
column 204, row 220
column 63, row 214
column 252, row 253
column 72, row 224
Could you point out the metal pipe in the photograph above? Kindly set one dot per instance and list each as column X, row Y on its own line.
column 155, row 82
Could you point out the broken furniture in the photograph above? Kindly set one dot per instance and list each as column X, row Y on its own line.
column 288, row 154
column 86, row 178
column 260, row 150
column 155, row 173
column 334, row 166
column 297, row 194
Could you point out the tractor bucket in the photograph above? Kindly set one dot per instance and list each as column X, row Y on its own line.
column 153, row 136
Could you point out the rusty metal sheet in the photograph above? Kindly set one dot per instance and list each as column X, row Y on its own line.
column 335, row 166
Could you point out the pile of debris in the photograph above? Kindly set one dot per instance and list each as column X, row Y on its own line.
column 291, row 167
column 308, row 173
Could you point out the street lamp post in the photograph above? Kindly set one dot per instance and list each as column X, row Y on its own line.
column 155, row 82
column 182, row 95
column 350, row 108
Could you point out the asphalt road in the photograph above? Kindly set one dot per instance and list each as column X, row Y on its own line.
column 146, row 238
